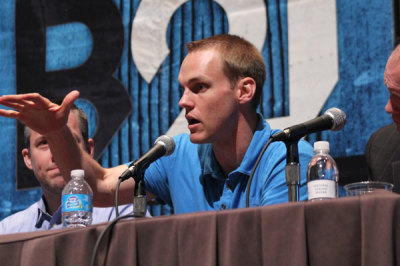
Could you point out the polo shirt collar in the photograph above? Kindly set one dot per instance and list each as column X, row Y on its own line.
column 211, row 168
column 209, row 165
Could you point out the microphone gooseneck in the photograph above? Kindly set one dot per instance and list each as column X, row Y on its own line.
column 333, row 119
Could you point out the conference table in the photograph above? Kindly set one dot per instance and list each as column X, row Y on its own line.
column 359, row 230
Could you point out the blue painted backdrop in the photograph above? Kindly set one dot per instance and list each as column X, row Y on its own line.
column 365, row 40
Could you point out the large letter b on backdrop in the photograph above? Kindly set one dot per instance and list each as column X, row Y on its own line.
column 93, row 78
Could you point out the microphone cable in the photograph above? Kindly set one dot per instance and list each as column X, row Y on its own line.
column 110, row 225
column 116, row 197
column 254, row 170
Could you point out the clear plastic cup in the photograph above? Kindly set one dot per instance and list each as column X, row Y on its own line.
column 361, row 188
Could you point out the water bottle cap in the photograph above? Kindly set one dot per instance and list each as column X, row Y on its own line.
column 78, row 173
column 321, row 146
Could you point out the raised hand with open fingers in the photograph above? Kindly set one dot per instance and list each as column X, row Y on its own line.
column 38, row 112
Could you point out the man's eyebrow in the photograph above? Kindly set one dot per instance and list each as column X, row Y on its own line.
column 199, row 79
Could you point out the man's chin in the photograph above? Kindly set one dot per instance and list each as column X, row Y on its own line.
column 54, row 187
column 197, row 139
column 57, row 180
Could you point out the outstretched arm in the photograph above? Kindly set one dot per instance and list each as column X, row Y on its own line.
column 50, row 120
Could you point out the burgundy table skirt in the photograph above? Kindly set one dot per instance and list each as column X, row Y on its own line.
column 361, row 230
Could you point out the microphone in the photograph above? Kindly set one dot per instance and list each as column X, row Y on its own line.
column 333, row 119
column 163, row 146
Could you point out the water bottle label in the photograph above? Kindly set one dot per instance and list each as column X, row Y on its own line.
column 76, row 202
column 321, row 189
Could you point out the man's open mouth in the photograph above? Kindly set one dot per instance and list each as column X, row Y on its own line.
column 192, row 121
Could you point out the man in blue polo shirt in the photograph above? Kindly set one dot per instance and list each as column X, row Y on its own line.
column 46, row 213
column 222, row 79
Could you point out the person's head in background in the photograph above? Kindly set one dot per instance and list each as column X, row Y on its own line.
column 38, row 157
column 392, row 82
column 222, row 77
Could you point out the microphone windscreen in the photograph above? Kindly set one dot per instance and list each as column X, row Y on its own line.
column 168, row 143
column 338, row 116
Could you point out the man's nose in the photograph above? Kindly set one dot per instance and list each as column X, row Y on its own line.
column 184, row 102
column 388, row 107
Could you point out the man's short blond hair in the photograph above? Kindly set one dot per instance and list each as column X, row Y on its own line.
column 241, row 59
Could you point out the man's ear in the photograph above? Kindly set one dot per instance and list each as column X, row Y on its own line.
column 27, row 158
column 90, row 147
column 246, row 90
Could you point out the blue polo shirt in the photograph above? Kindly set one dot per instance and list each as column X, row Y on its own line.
column 191, row 179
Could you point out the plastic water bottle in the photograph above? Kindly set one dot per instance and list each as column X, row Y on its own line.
column 77, row 201
column 322, row 174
